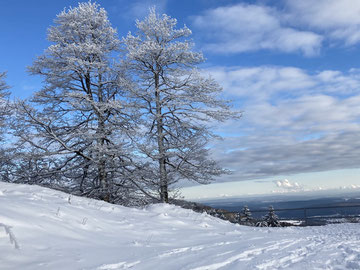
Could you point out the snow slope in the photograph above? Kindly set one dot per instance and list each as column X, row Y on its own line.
column 56, row 232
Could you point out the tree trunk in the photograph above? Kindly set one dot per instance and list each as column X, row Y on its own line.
column 164, row 195
column 104, row 185
column 101, row 138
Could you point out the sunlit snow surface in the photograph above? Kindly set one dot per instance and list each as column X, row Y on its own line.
column 55, row 232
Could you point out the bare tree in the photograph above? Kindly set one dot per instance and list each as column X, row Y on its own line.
column 78, row 122
column 177, row 103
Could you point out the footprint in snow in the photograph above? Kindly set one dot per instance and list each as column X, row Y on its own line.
column 118, row 266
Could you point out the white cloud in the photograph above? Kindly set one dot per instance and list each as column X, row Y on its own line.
column 338, row 19
column 243, row 27
column 263, row 81
column 287, row 185
column 284, row 83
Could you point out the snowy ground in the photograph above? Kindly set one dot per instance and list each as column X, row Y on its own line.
column 55, row 232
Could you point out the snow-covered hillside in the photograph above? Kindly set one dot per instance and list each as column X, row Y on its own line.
column 55, row 231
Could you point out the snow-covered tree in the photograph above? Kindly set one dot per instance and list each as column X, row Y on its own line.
column 246, row 216
column 271, row 219
column 177, row 103
column 77, row 122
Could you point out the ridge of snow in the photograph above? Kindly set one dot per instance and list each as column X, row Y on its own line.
column 55, row 230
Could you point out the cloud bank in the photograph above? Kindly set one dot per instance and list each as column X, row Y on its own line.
column 294, row 121
column 292, row 26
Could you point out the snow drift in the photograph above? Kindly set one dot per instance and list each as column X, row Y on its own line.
column 45, row 229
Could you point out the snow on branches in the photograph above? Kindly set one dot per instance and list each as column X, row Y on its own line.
column 176, row 102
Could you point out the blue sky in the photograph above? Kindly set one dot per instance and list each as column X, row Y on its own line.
column 292, row 66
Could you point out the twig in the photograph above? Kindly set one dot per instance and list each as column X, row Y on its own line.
column 11, row 235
